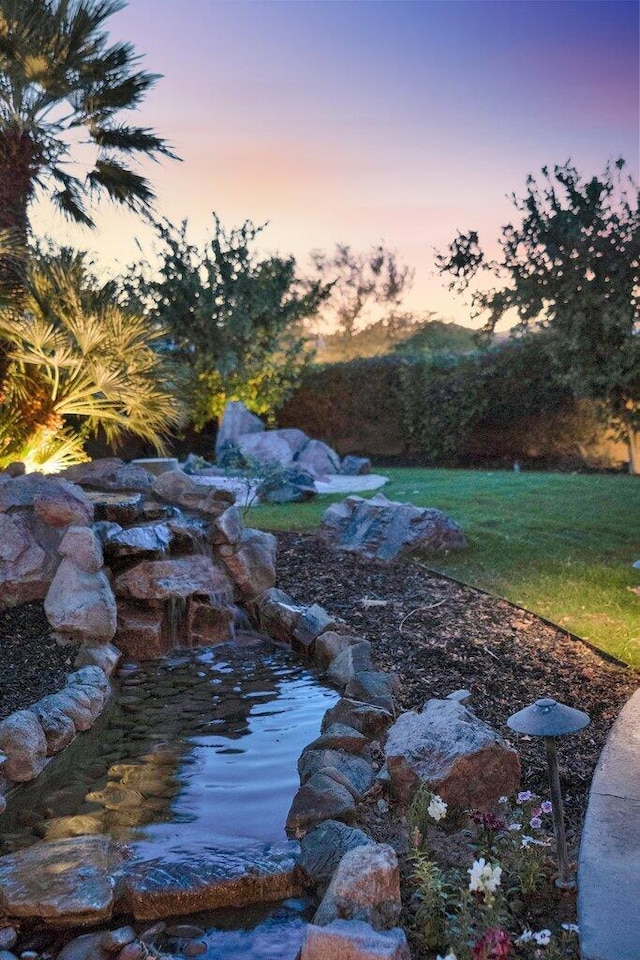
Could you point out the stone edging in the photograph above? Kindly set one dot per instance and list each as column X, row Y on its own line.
column 609, row 864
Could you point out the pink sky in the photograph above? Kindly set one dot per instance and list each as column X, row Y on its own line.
column 362, row 122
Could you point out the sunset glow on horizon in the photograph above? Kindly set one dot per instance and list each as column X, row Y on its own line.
column 362, row 122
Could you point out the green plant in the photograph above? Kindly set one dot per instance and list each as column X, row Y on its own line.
column 61, row 79
column 78, row 363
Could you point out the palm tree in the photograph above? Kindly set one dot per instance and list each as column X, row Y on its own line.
column 61, row 83
column 78, row 363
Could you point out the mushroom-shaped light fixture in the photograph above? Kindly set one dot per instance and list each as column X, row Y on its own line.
column 549, row 719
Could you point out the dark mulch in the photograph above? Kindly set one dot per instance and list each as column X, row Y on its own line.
column 32, row 664
column 439, row 636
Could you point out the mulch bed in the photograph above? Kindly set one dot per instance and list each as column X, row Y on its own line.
column 439, row 636
column 32, row 664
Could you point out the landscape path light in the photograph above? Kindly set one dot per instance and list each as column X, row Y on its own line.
column 549, row 719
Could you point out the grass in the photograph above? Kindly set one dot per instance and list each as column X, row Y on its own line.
column 561, row 545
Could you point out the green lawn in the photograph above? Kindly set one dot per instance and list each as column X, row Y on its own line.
column 561, row 545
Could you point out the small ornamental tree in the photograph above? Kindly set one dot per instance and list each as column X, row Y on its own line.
column 233, row 317
column 571, row 266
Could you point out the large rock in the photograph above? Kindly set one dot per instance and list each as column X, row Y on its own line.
column 382, row 529
column 366, row 718
column 26, row 567
column 322, row 849
column 150, row 540
column 82, row 545
column 72, row 703
column 157, row 889
column 141, row 633
column 355, row 466
column 344, row 667
column 24, row 744
column 353, row 940
column 175, row 577
column 318, row 459
column 60, row 504
column 265, row 450
column 374, row 686
column 454, row 753
column 177, row 487
column 313, row 622
column 251, row 562
column 365, row 886
column 236, row 421
column 289, row 485
column 278, row 615
column 340, row 737
column 58, row 727
column 102, row 655
column 64, row 883
column 320, row 798
column 353, row 772
column 110, row 473
column 330, row 645
column 81, row 606
column 122, row 508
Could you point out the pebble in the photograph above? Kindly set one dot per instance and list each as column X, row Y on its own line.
column 152, row 932
column 7, row 955
column 116, row 939
column 195, row 948
column 133, row 951
column 8, row 937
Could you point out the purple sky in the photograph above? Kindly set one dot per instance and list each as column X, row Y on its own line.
column 358, row 121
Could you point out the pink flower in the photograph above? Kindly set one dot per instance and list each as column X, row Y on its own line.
column 536, row 811
column 493, row 945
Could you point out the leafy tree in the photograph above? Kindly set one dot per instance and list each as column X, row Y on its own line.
column 360, row 282
column 571, row 266
column 60, row 81
column 233, row 317
column 78, row 363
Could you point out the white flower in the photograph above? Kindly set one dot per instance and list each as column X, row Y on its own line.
column 515, row 826
column 542, row 937
column 570, row 927
column 484, row 877
column 450, row 956
column 437, row 810
column 525, row 936
column 503, row 799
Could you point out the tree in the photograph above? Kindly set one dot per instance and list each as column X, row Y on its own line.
column 78, row 363
column 233, row 317
column 360, row 282
column 571, row 266
column 59, row 78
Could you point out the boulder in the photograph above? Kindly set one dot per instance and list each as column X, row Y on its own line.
column 176, row 487
column 340, row 737
column 140, row 634
column 355, row 466
column 264, row 450
column 383, row 529
column 174, row 577
column 353, row 940
column 368, row 719
column 373, row 686
column 157, row 888
column 251, row 562
column 313, row 621
column 58, row 727
column 330, row 644
column 318, row 459
column 277, row 614
column 80, row 606
column 354, row 773
column 117, row 508
column 24, row 744
column 110, row 474
column 150, row 540
column 322, row 849
column 236, row 421
column 228, row 528
column 64, row 883
column 289, row 485
column 344, row 667
column 72, row 703
column 83, row 547
column 60, row 504
column 320, row 798
column 26, row 567
column 20, row 491
column 365, row 886
column 454, row 753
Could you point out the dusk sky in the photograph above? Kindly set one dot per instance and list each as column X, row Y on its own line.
column 359, row 121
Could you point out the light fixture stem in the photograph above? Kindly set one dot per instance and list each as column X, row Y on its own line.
column 564, row 881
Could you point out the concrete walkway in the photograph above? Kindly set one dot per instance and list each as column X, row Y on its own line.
column 609, row 866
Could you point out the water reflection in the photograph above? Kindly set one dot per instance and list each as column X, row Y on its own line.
column 197, row 754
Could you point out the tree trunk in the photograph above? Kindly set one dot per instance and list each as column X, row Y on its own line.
column 17, row 172
column 633, row 442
